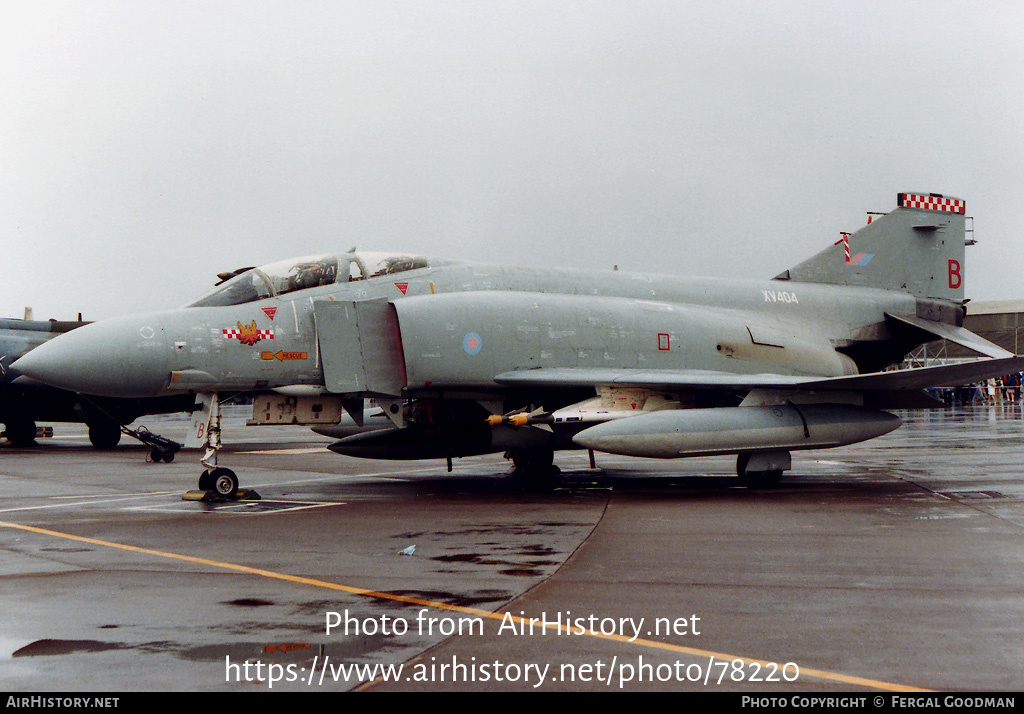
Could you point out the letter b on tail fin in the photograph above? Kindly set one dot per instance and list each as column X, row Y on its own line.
column 955, row 281
column 917, row 248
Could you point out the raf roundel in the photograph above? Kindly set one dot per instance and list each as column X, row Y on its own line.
column 472, row 343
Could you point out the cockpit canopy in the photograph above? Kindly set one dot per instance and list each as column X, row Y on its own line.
column 287, row 276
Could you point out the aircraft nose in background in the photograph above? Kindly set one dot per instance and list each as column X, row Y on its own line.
column 117, row 358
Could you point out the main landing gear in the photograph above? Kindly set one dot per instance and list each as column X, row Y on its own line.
column 535, row 468
column 104, row 433
column 762, row 469
column 20, row 432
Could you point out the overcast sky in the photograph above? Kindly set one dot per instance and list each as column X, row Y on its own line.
column 147, row 146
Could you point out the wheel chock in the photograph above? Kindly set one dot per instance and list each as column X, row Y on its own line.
column 244, row 494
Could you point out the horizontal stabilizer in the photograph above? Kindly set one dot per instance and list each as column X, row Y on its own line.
column 954, row 334
column 946, row 375
column 699, row 380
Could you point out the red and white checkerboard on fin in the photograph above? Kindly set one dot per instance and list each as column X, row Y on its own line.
column 931, row 202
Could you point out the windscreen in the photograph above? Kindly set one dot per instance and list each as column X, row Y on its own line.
column 247, row 287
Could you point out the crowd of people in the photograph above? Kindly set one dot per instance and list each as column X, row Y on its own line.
column 999, row 390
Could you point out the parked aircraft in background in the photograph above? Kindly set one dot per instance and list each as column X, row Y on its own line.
column 24, row 401
column 469, row 359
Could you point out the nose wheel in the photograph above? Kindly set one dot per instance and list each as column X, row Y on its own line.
column 216, row 483
column 221, row 482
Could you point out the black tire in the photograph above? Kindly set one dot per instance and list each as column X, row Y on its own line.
column 756, row 479
column 224, row 483
column 534, row 469
column 539, row 460
column 21, row 433
column 761, row 479
column 206, row 481
column 104, row 435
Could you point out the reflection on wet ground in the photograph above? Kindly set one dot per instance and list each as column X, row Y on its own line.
column 899, row 560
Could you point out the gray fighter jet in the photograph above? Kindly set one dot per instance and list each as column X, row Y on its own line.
column 469, row 359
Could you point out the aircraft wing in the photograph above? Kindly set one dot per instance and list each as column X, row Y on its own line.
column 698, row 380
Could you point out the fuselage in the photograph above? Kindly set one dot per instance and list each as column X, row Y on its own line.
column 460, row 324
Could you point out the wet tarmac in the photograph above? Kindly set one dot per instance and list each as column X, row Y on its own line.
column 896, row 563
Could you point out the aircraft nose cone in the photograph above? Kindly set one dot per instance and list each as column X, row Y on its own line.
column 122, row 357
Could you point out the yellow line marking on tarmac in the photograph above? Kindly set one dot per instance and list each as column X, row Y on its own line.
column 502, row 616
column 317, row 450
column 245, row 508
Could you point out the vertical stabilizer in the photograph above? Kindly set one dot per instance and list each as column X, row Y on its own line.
column 917, row 248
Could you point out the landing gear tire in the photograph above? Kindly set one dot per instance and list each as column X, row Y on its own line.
column 104, row 435
column 224, row 483
column 534, row 468
column 206, row 481
column 756, row 479
column 21, row 433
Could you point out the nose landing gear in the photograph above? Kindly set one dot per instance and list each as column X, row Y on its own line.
column 216, row 483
